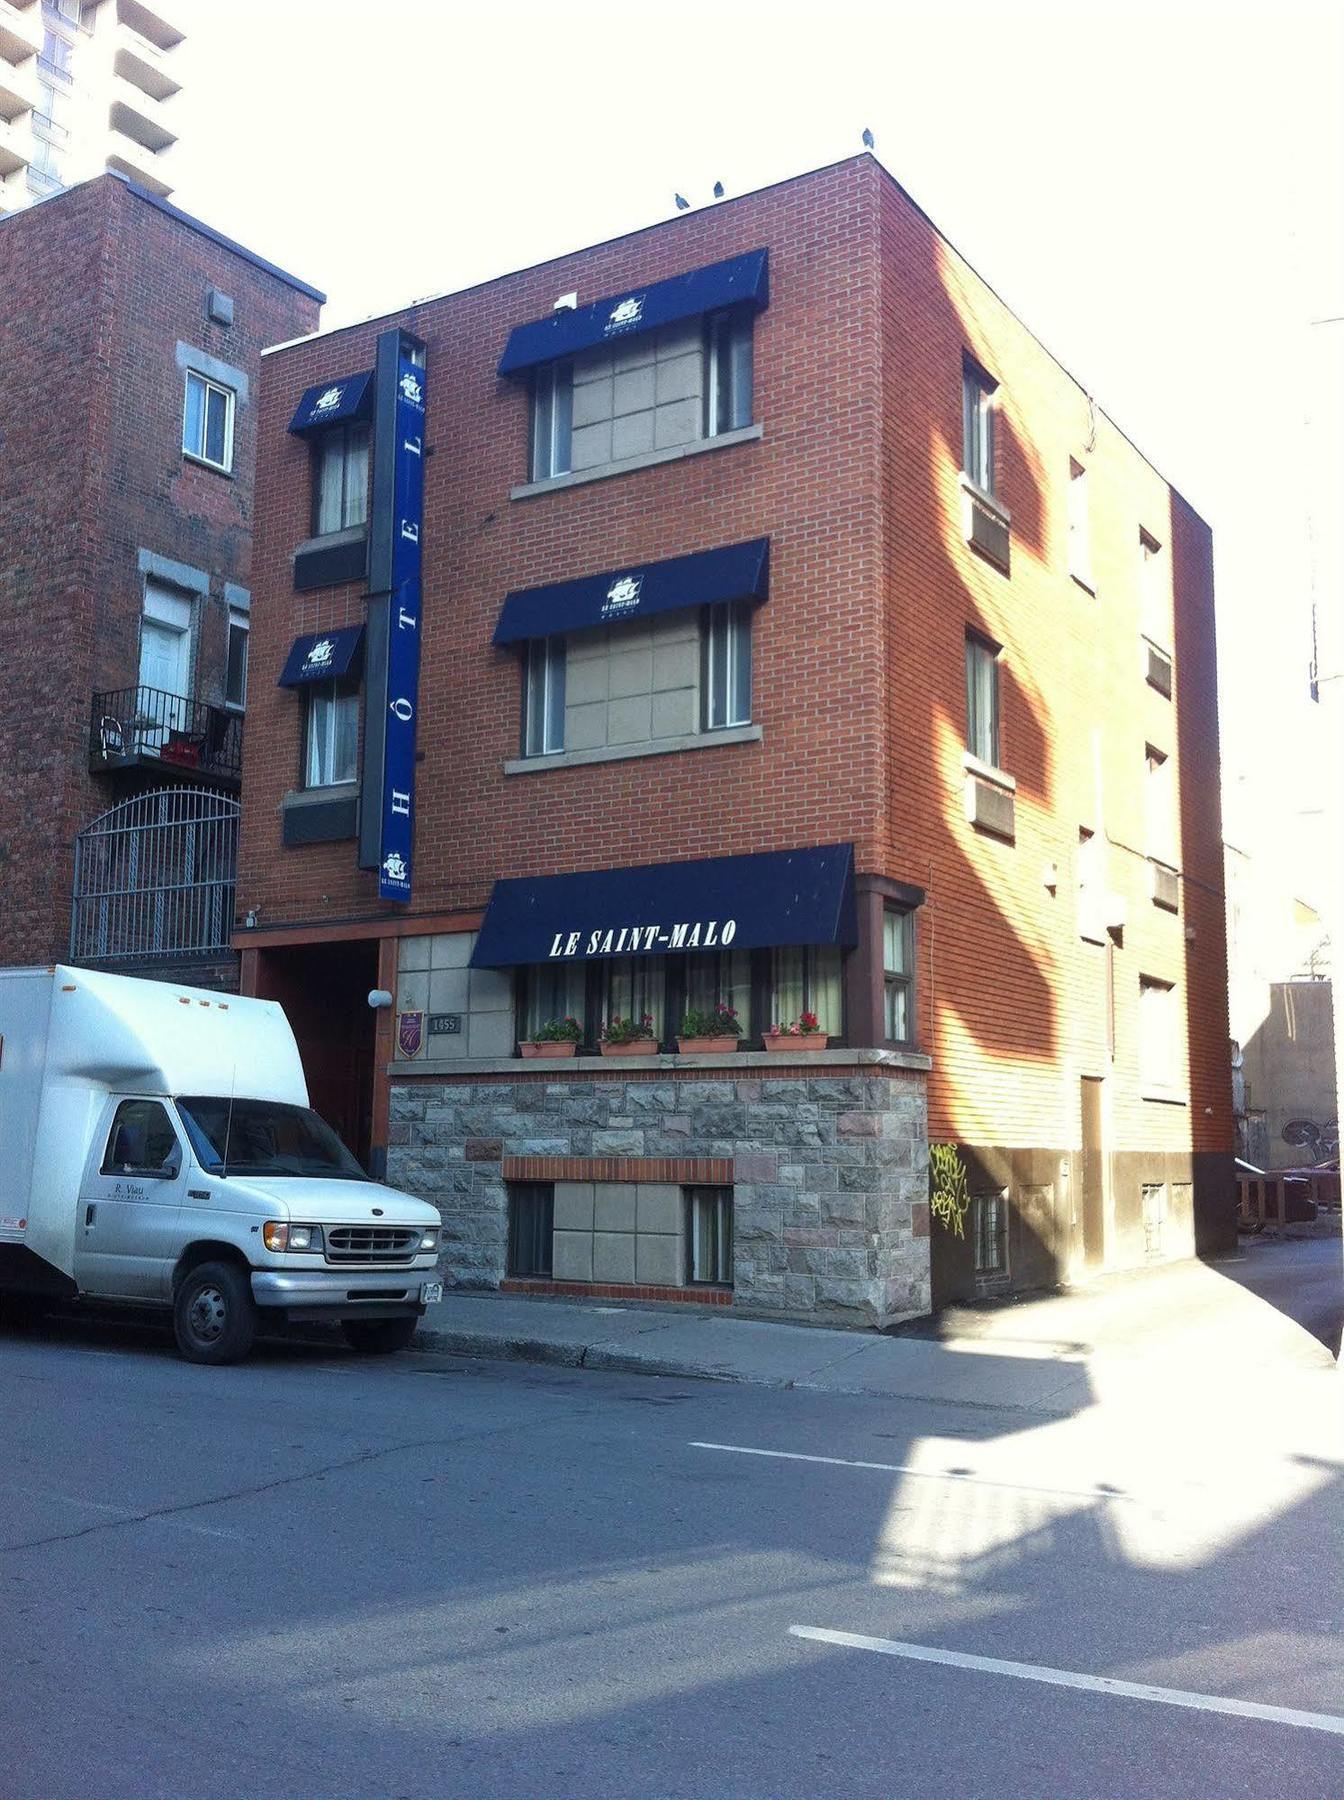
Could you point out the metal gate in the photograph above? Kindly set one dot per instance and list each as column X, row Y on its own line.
column 154, row 876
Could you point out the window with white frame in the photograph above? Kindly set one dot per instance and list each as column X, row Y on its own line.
column 977, row 418
column 207, row 422
column 331, row 750
column 728, row 371
column 235, row 672
column 898, row 974
column 1158, row 1034
column 709, row 1236
column 552, row 419
column 727, row 665
column 1080, row 525
column 340, row 479
column 544, row 697
column 982, row 699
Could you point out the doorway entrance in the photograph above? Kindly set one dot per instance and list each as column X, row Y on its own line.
column 324, row 989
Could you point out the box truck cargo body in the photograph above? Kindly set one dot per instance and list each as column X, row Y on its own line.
column 157, row 1148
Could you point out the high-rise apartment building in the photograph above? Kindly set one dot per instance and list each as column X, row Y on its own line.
column 85, row 86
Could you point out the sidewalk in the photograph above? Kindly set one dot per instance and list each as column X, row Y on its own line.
column 1184, row 1328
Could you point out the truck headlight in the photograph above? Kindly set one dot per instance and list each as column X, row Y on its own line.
column 302, row 1238
column 429, row 1240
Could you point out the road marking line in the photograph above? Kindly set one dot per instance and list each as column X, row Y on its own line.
column 840, row 1462
column 1070, row 1678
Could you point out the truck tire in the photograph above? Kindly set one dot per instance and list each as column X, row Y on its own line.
column 214, row 1315
column 380, row 1337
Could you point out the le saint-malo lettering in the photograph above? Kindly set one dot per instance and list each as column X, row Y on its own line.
column 632, row 938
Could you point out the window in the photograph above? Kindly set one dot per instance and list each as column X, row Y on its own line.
column 53, row 109
column 977, row 408
column 1159, row 810
column 709, row 1235
column 806, row 978
column 235, row 675
column 1154, row 1217
column 552, row 419
column 544, row 697
column 341, row 479
column 551, row 991
column 634, row 988
column 982, row 699
column 207, row 423
column 333, row 734
column 728, row 371
column 990, row 1226
column 1157, row 1033
column 727, row 665
column 531, row 1225
column 58, row 55
column 898, row 965
column 142, row 1141
column 720, row 978
column 1152, row 591
column 1080, row 526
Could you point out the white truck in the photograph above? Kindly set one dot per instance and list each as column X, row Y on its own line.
column 157, row 1148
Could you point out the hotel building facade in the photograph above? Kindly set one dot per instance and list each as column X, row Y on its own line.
column 745, row 614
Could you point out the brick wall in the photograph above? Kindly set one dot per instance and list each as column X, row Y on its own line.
column 99, row 286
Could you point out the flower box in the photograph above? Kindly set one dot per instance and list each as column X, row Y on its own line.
column 634, row 1047
column 548, row 1047
column 788, row 1041
column 707, row 1046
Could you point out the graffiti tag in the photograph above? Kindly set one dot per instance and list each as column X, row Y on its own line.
column 949, row 1196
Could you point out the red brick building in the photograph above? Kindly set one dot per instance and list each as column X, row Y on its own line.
column 768, row 532
column 130, row 346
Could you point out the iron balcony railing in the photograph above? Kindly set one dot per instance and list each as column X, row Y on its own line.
column 154, row 877
column 131, row 726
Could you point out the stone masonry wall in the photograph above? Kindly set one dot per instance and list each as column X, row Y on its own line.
column 830, row 1171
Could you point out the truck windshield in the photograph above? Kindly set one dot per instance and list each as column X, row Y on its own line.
column 264, row 1138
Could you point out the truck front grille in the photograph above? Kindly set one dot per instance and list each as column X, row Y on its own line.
column 371, row 1243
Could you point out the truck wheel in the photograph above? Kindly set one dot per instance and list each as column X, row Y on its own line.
column 214, row 1316
column 379, row 1337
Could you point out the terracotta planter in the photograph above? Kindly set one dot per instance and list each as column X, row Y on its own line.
column 786, row 1041
column 551, row 1047
column 707, row 1046
column 636, row 1047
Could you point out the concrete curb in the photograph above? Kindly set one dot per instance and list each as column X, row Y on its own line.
column 493, row 1348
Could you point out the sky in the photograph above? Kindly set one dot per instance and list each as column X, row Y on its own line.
column 1156, row 190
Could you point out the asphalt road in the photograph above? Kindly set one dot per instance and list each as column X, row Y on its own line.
column 317, row 1576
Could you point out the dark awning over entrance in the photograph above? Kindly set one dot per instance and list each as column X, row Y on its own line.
column 707, row 578
column 738, row 902
column 322, row 656
column 742, row 279
column 333, row 403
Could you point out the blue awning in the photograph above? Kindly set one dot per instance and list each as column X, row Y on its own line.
column 742, row 280
column 739, row 902
column 706, row 578
column 322, row 656
column 334, row 403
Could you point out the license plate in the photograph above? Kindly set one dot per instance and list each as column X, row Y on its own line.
column 430, row 1291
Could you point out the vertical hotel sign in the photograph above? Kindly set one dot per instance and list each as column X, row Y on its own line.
column 396, row 843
